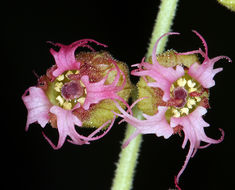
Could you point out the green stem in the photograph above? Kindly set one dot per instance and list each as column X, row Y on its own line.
column 128, row 156
column 127, row 159
column 162, row 24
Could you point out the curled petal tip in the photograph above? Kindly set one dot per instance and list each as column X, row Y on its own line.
column 174, row 33
column 229, row 60
column 222, row 135
column 176, row 183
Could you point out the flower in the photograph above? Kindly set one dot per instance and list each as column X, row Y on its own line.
column 78, row 91
column 174, row 92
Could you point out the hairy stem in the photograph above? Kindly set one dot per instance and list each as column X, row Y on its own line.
column 162, row 24
column 128, row 156
column 127, row 159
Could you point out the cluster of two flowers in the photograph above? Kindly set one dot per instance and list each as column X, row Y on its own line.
column 90, row 89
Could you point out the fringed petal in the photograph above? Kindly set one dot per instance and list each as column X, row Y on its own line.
column 164, row 76
column 66, row 122
column 98, row 91
column 156, row 124
column 38, row 106
column 205, row 72
column 93, row 136
column 193, row 127
column 65, row 57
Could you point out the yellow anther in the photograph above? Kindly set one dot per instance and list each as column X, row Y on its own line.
column 81, row 100
column 190, row 103
column 60, row 100
column 191, row 84
column 176, row 113
column 192, row 90
column 172, row 88
column 67, row 106
column 181, row 82
column 184, row 110
column 58, row 86
column 198, row 99
column 82, row 84
column 68, row 73
column 60, row 78
column 77, row 71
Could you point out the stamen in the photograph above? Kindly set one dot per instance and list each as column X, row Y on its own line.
column 68, row 73
column 198, row 99
column 191, row 84
column 82, row 84
column 60, row 78
column 192, row 90
column 81, row 100
column 190, row 103
column 67, row 105
column 181, row 82
column 184, row 110
column 58, row 86
column 172, row 88
column 60, row 100
column 176, row 113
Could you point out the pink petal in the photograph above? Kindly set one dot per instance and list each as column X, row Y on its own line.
column 98, row 91
column 164, row 76
column 156, row 124
column 204, row 73
column 93, row 136
column 38, row 106
column 65, row 57
column 66, row 122
column 193, row 127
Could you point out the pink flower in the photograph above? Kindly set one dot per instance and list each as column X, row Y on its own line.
column 69, row 88
column 184, row 99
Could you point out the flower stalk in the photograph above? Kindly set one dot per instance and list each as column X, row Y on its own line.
column 128, row 156
column 163, row 23
column 128, row 159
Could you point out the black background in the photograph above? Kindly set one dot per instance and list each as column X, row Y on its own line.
column 28, row 161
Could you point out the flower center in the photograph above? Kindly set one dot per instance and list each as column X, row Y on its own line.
column 183, row 89
column 66, row 92
column 180, row 94
column 71, row 90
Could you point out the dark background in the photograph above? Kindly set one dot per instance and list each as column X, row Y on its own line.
column 28, row 161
